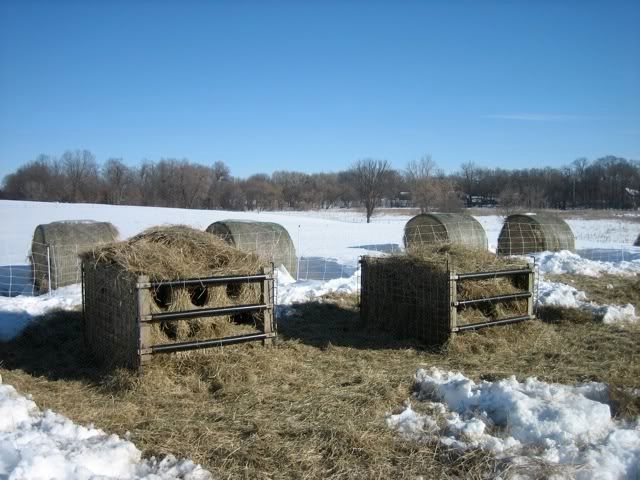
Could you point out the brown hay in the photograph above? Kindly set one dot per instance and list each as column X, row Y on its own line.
column 462, row 258
column 175, row 252
column 180, row 252
column 467, row 260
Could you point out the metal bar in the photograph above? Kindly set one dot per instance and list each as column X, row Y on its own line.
column 204, row 312
column 492, row 299
column 497, row 273
column 215, row 342
column 504, row 321
column 205, row 281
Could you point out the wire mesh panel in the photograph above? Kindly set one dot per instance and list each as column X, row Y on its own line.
column 269, row 240
column 403, row 297
column 437, row 228
column 111, row 314
column 522, row 234
column 413, row 299
column 127, row 318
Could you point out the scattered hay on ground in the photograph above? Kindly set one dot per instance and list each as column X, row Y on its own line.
column 314, row 406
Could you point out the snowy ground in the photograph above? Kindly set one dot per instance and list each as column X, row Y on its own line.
column 38, row 445
column 568, row 426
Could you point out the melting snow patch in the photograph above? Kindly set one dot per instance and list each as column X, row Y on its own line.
column 557, row 424
column 17, row 312
column 290, row 292
column 34, row 444
column 571, row 263
column 561, row 295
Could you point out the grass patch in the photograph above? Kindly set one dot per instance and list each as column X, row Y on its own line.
column 314, row 406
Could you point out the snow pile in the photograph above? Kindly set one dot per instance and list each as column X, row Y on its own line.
column 17, row 312
column 34, row 444
column 290, row 291
column 571, row 263
column 561, row 295
column 558, row 424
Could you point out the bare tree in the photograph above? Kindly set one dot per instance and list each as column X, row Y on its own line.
column 369, row 177
column 419, row 175
column 81, row 172
column 118, row 181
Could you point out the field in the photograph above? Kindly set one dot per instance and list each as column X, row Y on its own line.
column 324, row 402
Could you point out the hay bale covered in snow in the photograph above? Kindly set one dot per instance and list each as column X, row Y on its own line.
column 524, row 233
column 112, row 294
column 56, row 248
column 417, row 294
column 439, row 228
column 268, row 240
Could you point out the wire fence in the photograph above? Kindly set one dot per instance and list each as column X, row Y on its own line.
column 309, row 255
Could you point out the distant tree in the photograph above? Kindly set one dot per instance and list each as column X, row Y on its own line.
column 370, row 178
column 419, row 176
column 81, row 175
column 221, row 172
column 118, row 182
column 260, row 192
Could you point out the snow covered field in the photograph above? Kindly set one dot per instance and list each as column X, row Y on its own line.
column 554, row 421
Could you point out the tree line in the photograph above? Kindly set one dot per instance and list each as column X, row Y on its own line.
column 76, row 176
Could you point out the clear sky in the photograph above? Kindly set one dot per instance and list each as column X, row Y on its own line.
column 314, row 86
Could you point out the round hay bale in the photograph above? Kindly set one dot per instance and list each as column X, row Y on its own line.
column 524, row 233
column 180, row 252
column 56, row 247
column 268, row 240
column 439, row 228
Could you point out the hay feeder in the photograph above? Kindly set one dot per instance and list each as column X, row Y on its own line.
column 414, row 299
column 56, row 250
column 438, row 228
column 133, row 313
column 268, row 240
column 525, row 233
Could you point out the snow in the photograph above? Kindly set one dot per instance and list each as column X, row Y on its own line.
column 573, row 264
column 17, row 312
column 290, row 291
column 558, row 424
column 36, row 444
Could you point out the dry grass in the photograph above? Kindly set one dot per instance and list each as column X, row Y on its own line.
column 314, row 406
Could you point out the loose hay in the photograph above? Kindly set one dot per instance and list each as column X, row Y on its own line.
column 164, row 254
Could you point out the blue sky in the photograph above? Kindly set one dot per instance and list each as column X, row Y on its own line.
column 314, row 86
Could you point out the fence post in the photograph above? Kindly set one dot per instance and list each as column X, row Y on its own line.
column 144, row 328
column 49, row 281
column 299, row 254
column 268, row 299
